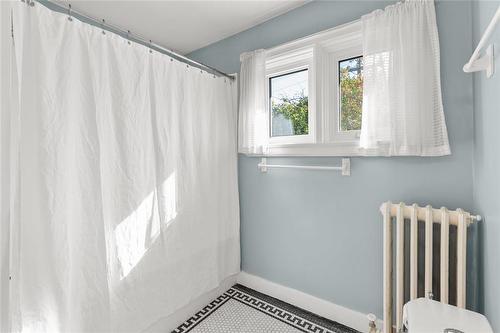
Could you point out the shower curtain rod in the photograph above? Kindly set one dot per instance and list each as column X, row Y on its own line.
column 127, row 35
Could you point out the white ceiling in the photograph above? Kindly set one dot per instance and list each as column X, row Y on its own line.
column 184, row 26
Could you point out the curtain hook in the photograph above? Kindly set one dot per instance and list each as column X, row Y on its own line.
column 102, row 26
column 150, row 46
column 69, row 13
column 128, row 37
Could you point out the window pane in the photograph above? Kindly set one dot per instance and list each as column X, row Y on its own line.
column 289, row 104
column 351, row 93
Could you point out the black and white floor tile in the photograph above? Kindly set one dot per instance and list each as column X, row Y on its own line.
column 244, row 310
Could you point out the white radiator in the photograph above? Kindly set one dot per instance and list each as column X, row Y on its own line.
column 414, row 215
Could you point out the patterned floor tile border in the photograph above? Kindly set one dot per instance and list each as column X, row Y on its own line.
column 303, row 320
column 202, row 314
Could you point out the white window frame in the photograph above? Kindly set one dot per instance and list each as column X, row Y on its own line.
column 335, row 58
column 287, row 63
column 320, row 54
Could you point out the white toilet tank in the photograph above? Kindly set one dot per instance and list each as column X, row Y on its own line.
column 428, row 316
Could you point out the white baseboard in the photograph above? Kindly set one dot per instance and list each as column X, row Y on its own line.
column 326, row 309
column 168, row 324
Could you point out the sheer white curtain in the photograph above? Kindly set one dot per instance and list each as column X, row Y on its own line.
column 402, row 104
column 128, row 194
column 253, row 117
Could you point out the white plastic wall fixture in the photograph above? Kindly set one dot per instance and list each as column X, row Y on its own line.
column 485, row 63
column 346, row 167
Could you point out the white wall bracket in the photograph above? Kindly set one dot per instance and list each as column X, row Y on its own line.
column 485, row 63
column 345, row 168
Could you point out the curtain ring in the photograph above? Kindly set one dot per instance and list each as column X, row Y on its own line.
column 128, row 37
column 69, row 13
column 102, row 26
column 150, row 46
column 32, row 3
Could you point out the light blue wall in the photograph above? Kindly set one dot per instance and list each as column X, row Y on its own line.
column 487, row 165
column 319, row 232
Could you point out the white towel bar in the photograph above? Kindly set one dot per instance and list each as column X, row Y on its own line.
column 345, row 168
column 486, row 62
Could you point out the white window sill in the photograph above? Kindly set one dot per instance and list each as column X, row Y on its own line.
column 317, row 149
column 346, row 149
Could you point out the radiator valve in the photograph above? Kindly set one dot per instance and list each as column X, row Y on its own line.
column 372, row 323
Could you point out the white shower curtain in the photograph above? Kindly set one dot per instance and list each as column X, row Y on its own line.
column 128, row 202
column 5, row 153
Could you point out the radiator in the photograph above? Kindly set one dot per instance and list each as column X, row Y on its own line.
column 413, row 214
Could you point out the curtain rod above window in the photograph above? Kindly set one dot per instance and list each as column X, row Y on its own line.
column 127, row 35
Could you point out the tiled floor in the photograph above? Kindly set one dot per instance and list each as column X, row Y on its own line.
column 243, row 310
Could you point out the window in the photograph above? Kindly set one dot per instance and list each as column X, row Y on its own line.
column 350, row 72
column 290, row 81
column 315, row 94
column 288, row 95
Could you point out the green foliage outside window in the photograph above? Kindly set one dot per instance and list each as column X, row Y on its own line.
column 351, row 95
column 294, row 109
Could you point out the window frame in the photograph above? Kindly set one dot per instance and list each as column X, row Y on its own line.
column 337, row 134
column 320, row 53
column 289, row 63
